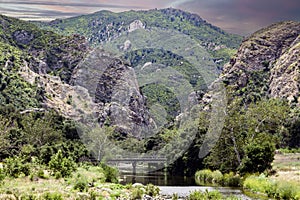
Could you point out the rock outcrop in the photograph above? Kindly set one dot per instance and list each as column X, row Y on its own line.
column 268, row 63
column 285, row 75
column 113, row 86
column 135, row 25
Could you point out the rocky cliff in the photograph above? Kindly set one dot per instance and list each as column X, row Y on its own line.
column 266, row 64
column 116, row 95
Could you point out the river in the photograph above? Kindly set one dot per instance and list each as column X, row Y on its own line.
column 183, row 186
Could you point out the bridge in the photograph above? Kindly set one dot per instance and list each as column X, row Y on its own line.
column 135, row 160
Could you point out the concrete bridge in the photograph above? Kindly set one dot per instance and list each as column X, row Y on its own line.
column 135, row 160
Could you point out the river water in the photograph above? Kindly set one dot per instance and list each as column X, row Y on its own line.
column 183, row 186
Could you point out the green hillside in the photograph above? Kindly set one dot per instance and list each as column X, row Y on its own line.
column 105, row 26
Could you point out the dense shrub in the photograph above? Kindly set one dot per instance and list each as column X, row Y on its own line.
column 137, row 193
column 62, row 165
column 208, row 177
column 232, row 180
column 81, row 183
column 152, row 190
column 111, row 174
column 203, row 177
column 15, row 166
column 217, row 177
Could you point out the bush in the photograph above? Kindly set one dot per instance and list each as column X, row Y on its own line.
column 175, row 196
column 217, row 177
column 208, row 177
column 65, row 166
column 111, row 174
column 136, row 193
column 232, row 180
column 41, row 174
column 14, row 167
column 81, row 183
column 52, row 196
column 152, row 190
column 204, row 177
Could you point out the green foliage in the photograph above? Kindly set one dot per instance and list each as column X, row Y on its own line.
column 61, row 54
column 197, row 195
column 136, row 193
column 38, row 130
column 111, row 174
column 15, row 91
column 2, row 175
column 16, row 166
column 248, row 137
column 274, row 189
column 216, row 178
column 259, row 155
column 81, row 183
column 232, row 180
column 152, row 190
column 289, row 150
column 101, row 26
column 175, row 196
column 52, row 196
column 41, row 174
column 64, row 166
column 203, row 177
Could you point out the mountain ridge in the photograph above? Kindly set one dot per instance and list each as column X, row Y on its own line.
column 104, row 26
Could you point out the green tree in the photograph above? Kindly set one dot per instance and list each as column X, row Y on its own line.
column 245, row 126
column 39, row 130
column 259, row 154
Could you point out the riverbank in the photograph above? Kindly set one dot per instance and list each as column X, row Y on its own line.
column 284, row 183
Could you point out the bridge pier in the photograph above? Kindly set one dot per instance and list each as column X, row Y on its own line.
column 134, row 168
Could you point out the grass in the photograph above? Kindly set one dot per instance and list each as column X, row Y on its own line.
column 272, row 188
column 284, row 184
column 287, row 166
column 88, row 182
column 67, row 188
column 216, row 195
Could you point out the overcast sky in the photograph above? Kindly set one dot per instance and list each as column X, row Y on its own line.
column 235, row 16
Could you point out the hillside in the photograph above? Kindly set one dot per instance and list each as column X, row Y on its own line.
column 23, row 44
column 104, row 26
column 48, row 51
column 266, row 64
column 165, row 38
column 143, row 79
column 262, row 84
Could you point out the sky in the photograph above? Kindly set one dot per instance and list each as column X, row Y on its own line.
column 235, row 16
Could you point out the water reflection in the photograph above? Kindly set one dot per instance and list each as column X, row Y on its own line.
column 157, row 178
column 178, row 184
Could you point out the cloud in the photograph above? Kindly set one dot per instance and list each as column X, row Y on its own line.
column 244, row 16
column 63, row 4
column 178, row 3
